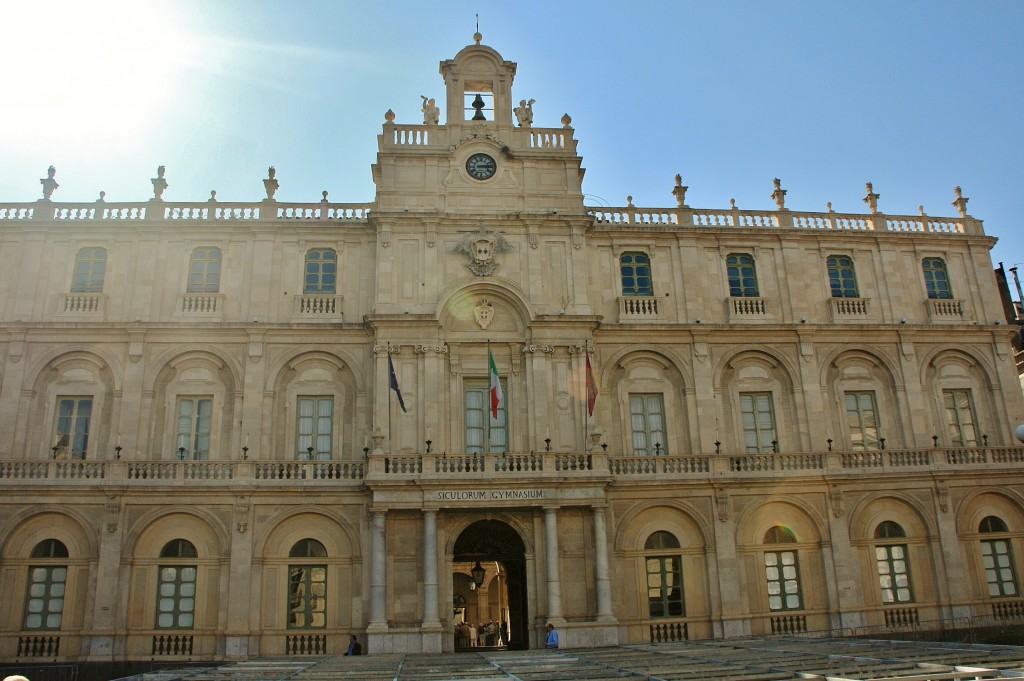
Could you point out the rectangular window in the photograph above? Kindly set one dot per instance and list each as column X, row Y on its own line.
column 484, row 433
column 647, row 421
column 90, row 270
column 176, row 597
column 960, row 418
column 321, row 271
column 841, row 277
column 894, row 573
column 71, row 433
column 665, row 587
column 758, row 422
column 307, row 597
column 936, row 279
column 204, row 271
column 44, row 602
column 862, row 420
column 636, row 274
column 195, row 415
column 315, row 428
column 999, row 571
column 783, row 576
column 742, row 275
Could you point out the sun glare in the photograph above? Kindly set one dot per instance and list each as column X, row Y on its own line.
column 94, row 73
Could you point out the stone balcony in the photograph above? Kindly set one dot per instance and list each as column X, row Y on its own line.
column 200, row 211
column 526, row 467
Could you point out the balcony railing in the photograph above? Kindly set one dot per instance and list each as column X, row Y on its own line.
column 685, row 217
column 634, row 309
column 188, row 211
column 508, row 467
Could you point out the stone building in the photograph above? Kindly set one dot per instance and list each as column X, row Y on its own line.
column 230, row 429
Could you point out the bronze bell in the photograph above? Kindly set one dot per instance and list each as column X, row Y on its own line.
column 478, row 104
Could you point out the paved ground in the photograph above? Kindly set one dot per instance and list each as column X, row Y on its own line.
column 761, row 659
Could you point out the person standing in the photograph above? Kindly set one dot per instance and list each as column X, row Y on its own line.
column 552, row 640
column 353, row 646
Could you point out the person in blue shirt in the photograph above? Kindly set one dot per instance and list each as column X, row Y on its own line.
column 353, row 646
column 552, row 639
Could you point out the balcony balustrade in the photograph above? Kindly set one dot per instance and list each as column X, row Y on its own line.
column 532, row 467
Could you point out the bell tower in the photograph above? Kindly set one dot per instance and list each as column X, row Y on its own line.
column 479, row 85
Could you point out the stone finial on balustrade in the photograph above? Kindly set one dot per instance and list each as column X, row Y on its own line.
column 629, row 202
column 324, row 195
column 872, row 198
column 961, row 201
column 920, row 209
column 271, row 184
column 566, row 120
column 779, row 195
column 103, row 198
column 828, row 207
column 159, row 184
column 389, row 116
column 679, row 191
column 213, row 196
column 49, row 184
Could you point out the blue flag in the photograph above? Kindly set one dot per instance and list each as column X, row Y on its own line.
column 394, row 384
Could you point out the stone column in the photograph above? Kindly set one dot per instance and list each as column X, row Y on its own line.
column 107, row 616
column 601, row 574
column 431, row 628
column 240, row 582
column 378, row 569
column 551, row 558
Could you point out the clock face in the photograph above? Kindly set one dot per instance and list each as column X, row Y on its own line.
column 481, row 166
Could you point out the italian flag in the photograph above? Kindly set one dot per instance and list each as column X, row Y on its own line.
column 496, row 395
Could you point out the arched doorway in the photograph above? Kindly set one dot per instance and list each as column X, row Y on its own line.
column 493, row 553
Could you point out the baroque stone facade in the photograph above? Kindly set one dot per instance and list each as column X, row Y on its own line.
column 230, row 430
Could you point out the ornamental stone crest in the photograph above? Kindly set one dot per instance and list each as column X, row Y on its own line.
column 482, row 247
column 484, row 313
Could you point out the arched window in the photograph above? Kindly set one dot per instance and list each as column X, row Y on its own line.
column 991, row 523
column 889, row 530
column 936, row 278
column 47, row 583
column 841, row 277
column 204, row 271
column 176, row 587
column 308, row 548
column 636, row 274
column 90, row 270
column 997, row 559
column 50, row 548
column 893, row 563
column 782, row 571
column 321, row 272
column 742, row 275
column 307, row 586
column 178, row 548
column 664, row 576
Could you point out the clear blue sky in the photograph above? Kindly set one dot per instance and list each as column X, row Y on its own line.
column 914, row 96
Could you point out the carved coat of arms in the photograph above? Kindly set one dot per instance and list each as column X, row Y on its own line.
column 482, row 249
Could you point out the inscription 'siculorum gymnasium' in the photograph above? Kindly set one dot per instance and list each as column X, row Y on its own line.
column 230, row 430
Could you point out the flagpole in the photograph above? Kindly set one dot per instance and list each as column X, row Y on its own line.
column 488, row 400
column 389, row 395
column 586, row 399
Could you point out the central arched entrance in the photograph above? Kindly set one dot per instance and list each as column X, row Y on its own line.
column 491, row 552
